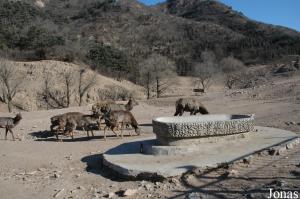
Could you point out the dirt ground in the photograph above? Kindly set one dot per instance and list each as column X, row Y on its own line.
column 39, row 167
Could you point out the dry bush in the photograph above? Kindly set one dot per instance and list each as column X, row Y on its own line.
column 114, row 92
column 233, row 71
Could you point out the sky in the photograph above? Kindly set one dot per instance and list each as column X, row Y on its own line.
column 277, row 12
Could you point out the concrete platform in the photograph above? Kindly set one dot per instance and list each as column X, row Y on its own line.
column 127, row 160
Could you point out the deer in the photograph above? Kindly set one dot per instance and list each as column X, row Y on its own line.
column 114, row 118
column 191, row 105
column 67, row 122
column 55, row 120
column 9, row 123
column 116, row 107
column 83, row 121
column 103, row 108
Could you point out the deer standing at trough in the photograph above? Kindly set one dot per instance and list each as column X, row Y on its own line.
column 191, row 105
column 9, row 123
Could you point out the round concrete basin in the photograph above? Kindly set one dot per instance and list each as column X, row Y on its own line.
column 202, row 126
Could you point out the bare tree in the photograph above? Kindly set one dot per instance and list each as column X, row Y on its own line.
column 58, row 92
column 85, row 84
column 157, row 70
column 233, row 70
column 11, row 82
column 205, row 71
column 52, row 97
column 68, row 81
column 146, row 77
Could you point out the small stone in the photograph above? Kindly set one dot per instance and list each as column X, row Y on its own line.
column 110, row 195
column 174, row 181
column 279, row 183
column 247, row 160
column 129, row 192
column 77, row 175
column 292, row 123
column 31, row 172
column 81, row 187
column 69, row 157
column 34, row 127
column 231, row 173
column 41, row 169
column 56, row 175
column 148, row 187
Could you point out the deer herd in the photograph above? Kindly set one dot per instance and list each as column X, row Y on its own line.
column 108, row 113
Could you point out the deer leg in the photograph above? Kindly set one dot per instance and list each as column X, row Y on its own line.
column 105, row 132
column 72, row 133
column 6, row 131
column 87, row 131
column 112, row 128
column 12, row 133
column 122, row 126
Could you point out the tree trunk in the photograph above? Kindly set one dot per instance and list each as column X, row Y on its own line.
column 9, row 105
column 157, row 88
column 148, row 86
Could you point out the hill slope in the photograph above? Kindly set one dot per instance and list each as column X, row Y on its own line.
column 127, row 32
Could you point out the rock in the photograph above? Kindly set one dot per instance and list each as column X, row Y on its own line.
column 174, row 181
column 77, row 175
column 298, row 165
column 34, row 127
column 193, row 195
column 81, row 187
column 58, row 193
column 56, row 175
column 69, row 157
column 231, row 173
column 110, row 195
column 247, row 160
column 279, row 183
column 41, row 169
column 148, row 187
column 129, row 192
column 31, row 173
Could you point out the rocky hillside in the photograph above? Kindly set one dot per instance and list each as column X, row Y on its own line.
column 116, row 35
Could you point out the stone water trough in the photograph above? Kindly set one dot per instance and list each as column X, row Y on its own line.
column 170, row 130
column 183, row 143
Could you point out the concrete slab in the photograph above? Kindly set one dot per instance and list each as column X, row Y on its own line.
column 127, row 160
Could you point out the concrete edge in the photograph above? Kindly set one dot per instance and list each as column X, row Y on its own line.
column 276, row 149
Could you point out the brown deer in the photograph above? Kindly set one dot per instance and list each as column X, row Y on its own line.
column 55, row 120
column 116, row 107
column 114, row 118
column 191, row 105
column 83, row 121
column 103, row 108
column 66, row 123
column 9, row 123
